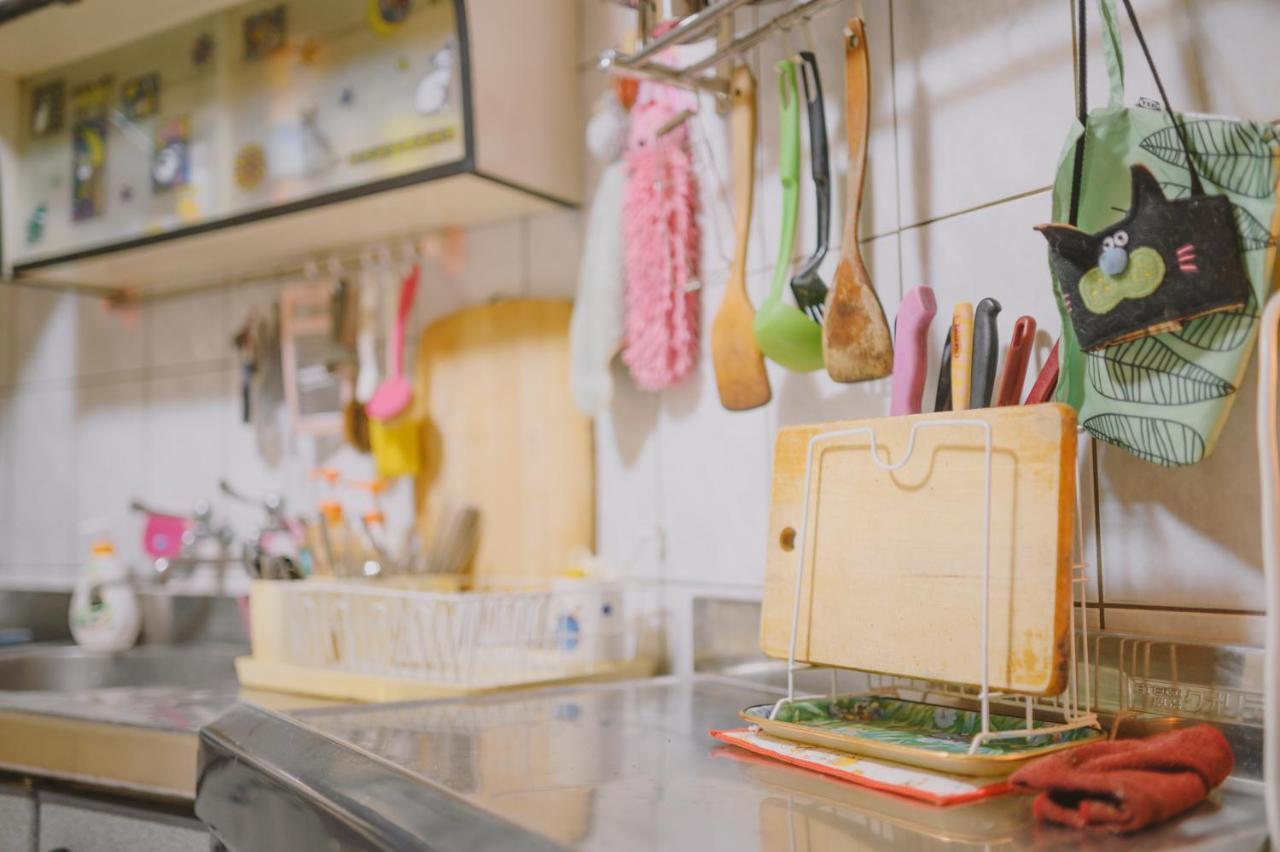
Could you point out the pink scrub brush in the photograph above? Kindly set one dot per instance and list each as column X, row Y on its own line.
column 660, row 230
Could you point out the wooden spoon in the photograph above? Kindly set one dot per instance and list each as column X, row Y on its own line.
column 855, row 337
column 740, row 374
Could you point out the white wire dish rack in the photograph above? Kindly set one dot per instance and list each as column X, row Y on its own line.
column 368, row 641
column 1072, row 710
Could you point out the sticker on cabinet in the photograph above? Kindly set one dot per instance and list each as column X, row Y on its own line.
column 251, row 167
column 48, row 109
column 35, row 224
column 202, row 50
column 140, row 97
column 170, row 160
column 90, row 99
column 264, row 33
column 432, row 94
column 385, row 16
column 88, row 160
column 390, row 149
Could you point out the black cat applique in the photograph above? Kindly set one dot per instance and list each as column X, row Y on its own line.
column 1164, row 263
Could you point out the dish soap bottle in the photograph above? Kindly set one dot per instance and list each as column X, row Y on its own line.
column 104, row 612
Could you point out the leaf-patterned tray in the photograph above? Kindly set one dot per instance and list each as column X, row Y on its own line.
column 911, row 732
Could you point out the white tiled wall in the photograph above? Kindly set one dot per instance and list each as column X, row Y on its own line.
column 971, row 102
column 970, row 105
column 99, row 405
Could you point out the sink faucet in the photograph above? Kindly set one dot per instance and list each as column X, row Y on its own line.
column 272, row 553
column 202, row 529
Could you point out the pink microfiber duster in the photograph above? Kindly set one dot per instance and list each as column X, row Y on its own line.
column 660, row 230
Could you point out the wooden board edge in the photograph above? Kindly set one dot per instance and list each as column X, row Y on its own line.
column 1059, row 675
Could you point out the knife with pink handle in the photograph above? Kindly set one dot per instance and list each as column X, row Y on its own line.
column 910, row 349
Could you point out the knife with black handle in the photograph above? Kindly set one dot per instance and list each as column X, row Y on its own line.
column 942, row 401
column 986, row 353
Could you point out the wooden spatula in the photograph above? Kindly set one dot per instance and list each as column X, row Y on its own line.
column 855, row 337
column 740, row 375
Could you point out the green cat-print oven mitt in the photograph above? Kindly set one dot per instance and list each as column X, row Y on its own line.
column 1162, row 396
column 1163, row 265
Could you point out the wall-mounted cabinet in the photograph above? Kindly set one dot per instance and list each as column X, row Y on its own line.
column 247, row 137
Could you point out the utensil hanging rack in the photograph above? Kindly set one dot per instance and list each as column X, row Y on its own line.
column 391, row 252
column 643, row 61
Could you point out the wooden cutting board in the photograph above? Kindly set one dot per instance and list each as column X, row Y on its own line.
column 892, row 569
column 501, row 433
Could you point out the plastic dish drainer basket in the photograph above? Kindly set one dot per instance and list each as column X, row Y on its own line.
column 369, row 641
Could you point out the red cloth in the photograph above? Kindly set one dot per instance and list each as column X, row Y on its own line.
column 1125, row 785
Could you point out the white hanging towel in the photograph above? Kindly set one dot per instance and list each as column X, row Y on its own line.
column 595, row 332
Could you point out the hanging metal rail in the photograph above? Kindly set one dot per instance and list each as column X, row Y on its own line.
column 641, row 62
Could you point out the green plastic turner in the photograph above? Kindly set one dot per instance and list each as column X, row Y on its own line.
column 783, row 332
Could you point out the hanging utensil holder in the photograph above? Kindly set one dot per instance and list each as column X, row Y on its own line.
column 648, row 62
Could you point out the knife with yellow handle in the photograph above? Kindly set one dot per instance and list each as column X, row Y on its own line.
column 961, row 355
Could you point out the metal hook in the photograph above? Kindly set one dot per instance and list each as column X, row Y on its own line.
column 808, row 36
column 409, row 253
column 675, row 121
column 792, row 53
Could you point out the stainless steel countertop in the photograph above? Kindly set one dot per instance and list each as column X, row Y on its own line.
column 165, row 688
column 611, row 767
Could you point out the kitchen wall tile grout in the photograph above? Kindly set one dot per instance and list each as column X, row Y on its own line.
column 526, row 251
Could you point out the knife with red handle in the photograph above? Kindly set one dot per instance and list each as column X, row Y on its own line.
column 1047, row 381
column 1015, row 361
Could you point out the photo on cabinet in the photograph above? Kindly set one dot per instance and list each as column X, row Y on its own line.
column 170, row 159
column 48, row 109
column 140, row 97
column 264, row 33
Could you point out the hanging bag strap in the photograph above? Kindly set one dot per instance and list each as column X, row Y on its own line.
column 1196, row 187
column 1082, row 106
column 1113, row 53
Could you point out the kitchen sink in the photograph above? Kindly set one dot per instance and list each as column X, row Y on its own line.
column 69, row 668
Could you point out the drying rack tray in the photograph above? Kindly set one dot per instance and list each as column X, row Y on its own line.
column 372, row 641
column 916, row 733
column 275, row 676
